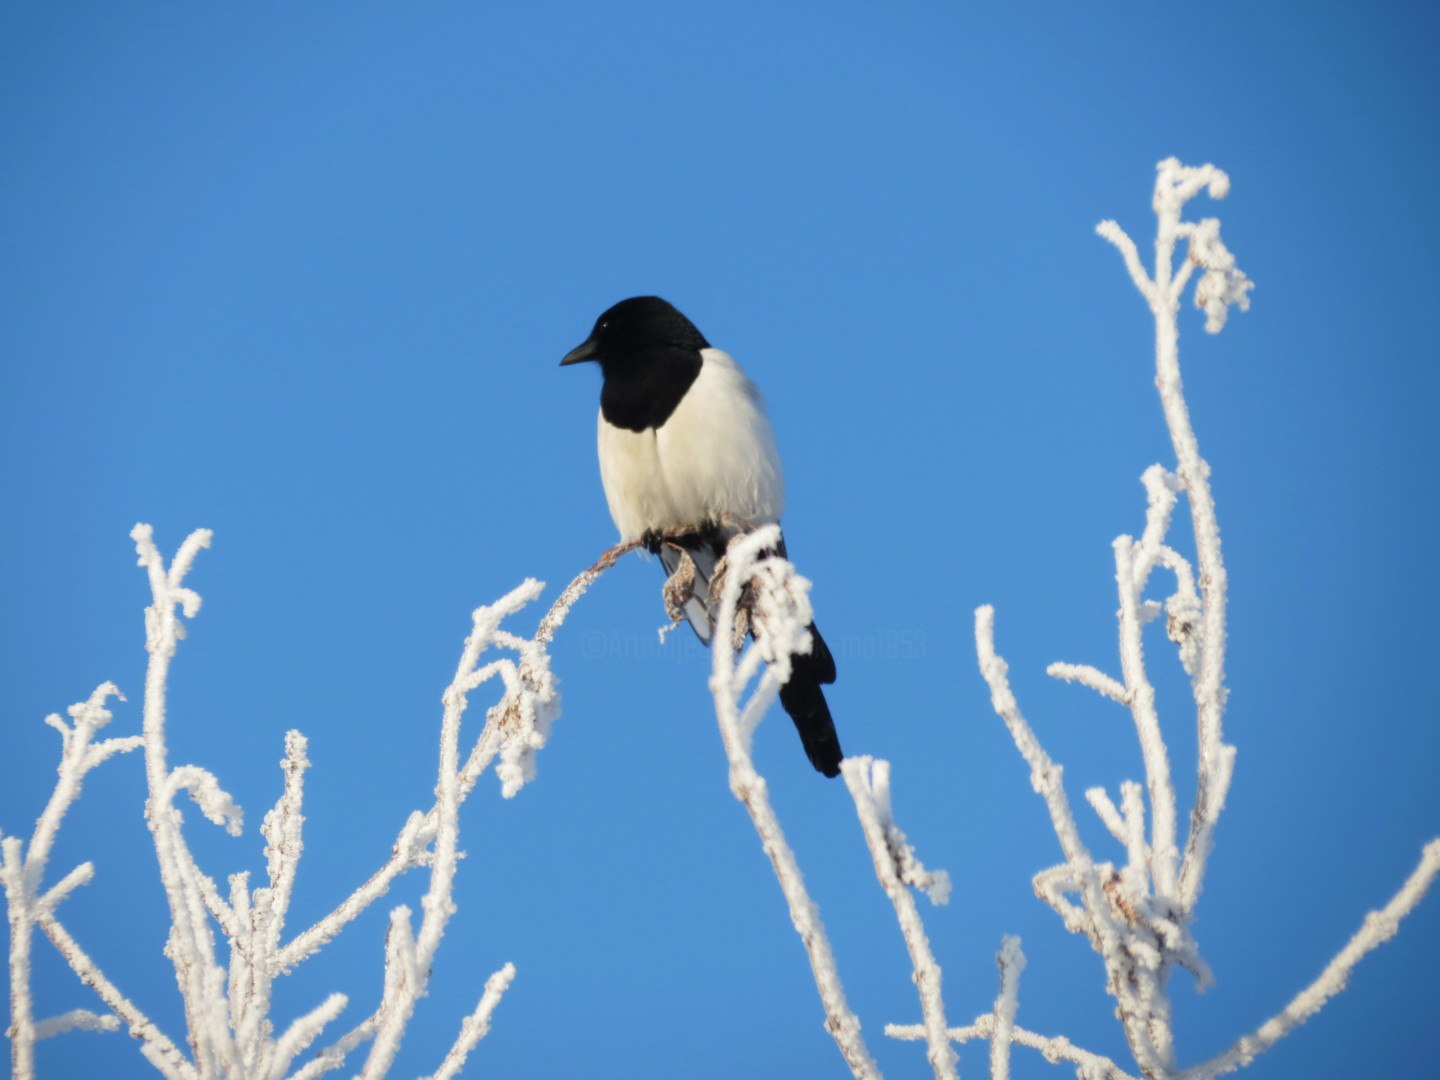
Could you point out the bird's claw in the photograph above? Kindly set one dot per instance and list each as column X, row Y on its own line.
column 679, row 588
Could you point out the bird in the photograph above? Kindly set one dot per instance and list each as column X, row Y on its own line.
column 687, row 451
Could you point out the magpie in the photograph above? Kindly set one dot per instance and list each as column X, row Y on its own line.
column 685, row 446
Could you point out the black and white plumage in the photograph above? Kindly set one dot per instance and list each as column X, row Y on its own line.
column 685, row 444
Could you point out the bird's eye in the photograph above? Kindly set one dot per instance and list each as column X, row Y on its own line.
column 605, row 325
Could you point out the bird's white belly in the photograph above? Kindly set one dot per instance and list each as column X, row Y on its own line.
column 634, row 482
column 714, row 459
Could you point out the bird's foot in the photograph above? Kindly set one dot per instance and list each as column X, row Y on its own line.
column 679, row 589
column 744, row 609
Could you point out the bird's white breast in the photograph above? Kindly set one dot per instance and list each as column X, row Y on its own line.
column 713, row 459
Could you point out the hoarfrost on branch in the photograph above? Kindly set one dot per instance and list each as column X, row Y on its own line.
column 1138, row 914
column 230, row 1031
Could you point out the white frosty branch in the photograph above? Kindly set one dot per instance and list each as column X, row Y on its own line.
column 1045, row 775
column 1205, row 637
column 191, row 948
column 154, row 1044
column 787, row 614
column 22, row 873
column 1138, row 916
column 75, row 1020
column 1054, row 1048
column 515, row 730
column 227, row 1006
column 298, row 1037
column 899, row 870
column 1119, row 925
column 1011, row 961
column 1095, row 679
column 477, row 1025
column 1378, row 928
column 526, row 714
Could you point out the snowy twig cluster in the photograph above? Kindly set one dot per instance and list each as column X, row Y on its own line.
column 226, row 990
column 30, row 905
column 1137, row 914
column 743, row 683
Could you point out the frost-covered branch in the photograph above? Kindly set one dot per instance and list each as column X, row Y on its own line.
column 227, row 1005
column 1111, row 905
column 782, row 613
column 1378, row 928
column 1222, row 285
column 1094, row 678
column 191, row 948
column 1138, row 915
column 899, row 871
column 477, row 1025
column 75, row 1020
column 521, row 723
column 523, row 712
column 1054, row 1048
column 167, row 1058
column 22, row 874
column 1011, row 962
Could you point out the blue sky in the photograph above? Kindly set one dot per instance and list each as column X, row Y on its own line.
column 303, row 274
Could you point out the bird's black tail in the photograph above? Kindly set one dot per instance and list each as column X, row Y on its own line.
column 801, row 696
column 805, row 702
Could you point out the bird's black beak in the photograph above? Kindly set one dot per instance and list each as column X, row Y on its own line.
column 586, row 350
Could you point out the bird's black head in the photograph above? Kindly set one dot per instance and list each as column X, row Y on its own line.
column 637, row 326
